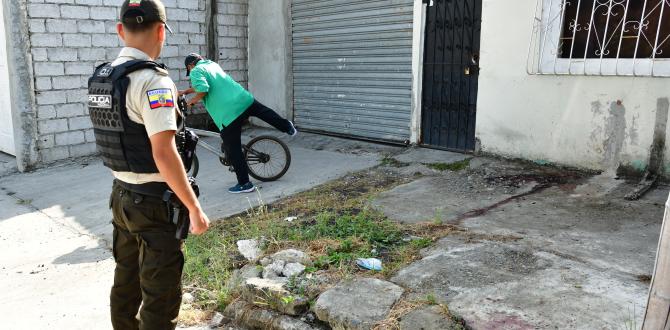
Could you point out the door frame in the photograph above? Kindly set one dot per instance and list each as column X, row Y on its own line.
column 418, row 52
column 418, row 48
column 21, row 86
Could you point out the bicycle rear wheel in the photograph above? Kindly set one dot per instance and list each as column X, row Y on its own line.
column 268, row 158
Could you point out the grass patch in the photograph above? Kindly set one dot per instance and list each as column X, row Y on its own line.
column 335, row 225
column 454, row 167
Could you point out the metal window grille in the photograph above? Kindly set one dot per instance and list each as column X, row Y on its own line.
column 601, row 37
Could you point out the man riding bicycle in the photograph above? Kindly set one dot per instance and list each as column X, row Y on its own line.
column 229, row 105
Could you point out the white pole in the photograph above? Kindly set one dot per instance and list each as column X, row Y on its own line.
column 657, row 315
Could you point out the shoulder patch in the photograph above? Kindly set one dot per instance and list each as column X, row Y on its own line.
column 160, row 98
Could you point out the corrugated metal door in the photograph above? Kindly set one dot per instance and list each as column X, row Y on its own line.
column 352, row 67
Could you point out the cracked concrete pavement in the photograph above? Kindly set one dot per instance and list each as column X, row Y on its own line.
column 55, row 227
column 539, row 247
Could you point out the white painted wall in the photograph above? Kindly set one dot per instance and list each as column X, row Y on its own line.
column 570, row 120
column 6, row 127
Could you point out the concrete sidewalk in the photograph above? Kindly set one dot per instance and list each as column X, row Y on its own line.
column 55, row 227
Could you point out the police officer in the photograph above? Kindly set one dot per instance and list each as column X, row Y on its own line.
column 133, row 108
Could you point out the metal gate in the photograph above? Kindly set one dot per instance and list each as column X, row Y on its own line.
column 352, row 67
column 451, row 70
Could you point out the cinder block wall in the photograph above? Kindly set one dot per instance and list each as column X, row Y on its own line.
column 68, row 38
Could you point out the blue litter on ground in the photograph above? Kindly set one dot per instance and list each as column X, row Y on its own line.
column 369, row 263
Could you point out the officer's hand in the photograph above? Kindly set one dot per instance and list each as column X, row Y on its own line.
column 199, row 222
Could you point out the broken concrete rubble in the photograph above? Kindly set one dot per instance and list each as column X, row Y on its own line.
column 250, row 249
column 251, row 316
column 273, row 294
column 357, row 304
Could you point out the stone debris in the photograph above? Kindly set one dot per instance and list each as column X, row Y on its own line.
column 250, row 249
column 240, row 276
column 428, row 318
column 291, row 256
column 357, row 304
column 273, row 294
column 187, row 298
column 293, row 269
column 217, row 320
column 254, row 317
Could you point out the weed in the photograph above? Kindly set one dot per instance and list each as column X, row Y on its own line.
column 24, row 201
column 431, row 300
column 454, row 167
column 421, row 243
column 392, row 162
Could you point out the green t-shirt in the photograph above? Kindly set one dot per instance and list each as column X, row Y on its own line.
column 226, row 99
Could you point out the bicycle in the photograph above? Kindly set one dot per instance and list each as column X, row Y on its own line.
column 268, row 158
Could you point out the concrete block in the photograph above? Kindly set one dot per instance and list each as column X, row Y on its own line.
column 175, row 14
column 188, row 4
column 62, row 54
column 46, row 142
column 235, row 8
column 54, row 154
column 92, row 27
column 197, row 39
column 37, row 26
column 70, row 138
column 189, row 27
column 184, row 50
column 46, row 40
column 177, row 39
column 228, row 42
column 46, row 111
column 198, row 16
column 61, row 25
column 113, row 3
column 90, row 2
column 90, row 135
column 43, row 83
column 66, row 82
column 81, row 150
column 91, row 54
column 69, row 11
column 233, row 54
column 79, row 68
column 58, row 1
column 170, row 3
column 70, row 110
column 43, row 11
column 105, row 40
column 170, row 51
column 110, row 26
column 39, row 54
column 48, row 69
column 82, row 123
column 105, row 13
column 77, row 40
column 77, row 95
column 52, row 126
column 113, row 53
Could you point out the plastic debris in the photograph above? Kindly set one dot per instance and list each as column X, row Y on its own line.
column 369, row 263
column 290, row 219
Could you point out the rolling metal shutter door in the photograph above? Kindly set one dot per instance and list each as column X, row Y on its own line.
column 352, row 70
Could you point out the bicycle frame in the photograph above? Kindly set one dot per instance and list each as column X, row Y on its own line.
column 208, row 147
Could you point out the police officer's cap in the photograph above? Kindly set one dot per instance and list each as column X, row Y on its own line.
column 192, row 58
column 144, row 12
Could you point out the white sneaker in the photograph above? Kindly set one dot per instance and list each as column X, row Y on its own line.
column 293, row 131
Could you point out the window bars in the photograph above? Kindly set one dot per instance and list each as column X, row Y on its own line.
column 601, row 37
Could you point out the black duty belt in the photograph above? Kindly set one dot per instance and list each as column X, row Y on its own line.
column 154, row 189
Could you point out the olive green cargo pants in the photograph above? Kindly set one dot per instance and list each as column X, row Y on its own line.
column 149, row 263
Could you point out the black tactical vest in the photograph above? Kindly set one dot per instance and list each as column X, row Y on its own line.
column 123, row 144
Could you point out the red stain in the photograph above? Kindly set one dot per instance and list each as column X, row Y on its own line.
column 507, row 322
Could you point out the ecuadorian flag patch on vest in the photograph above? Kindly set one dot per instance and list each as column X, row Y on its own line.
column 160, row 98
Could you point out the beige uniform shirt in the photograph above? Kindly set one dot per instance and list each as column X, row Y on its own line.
column 143, row 106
